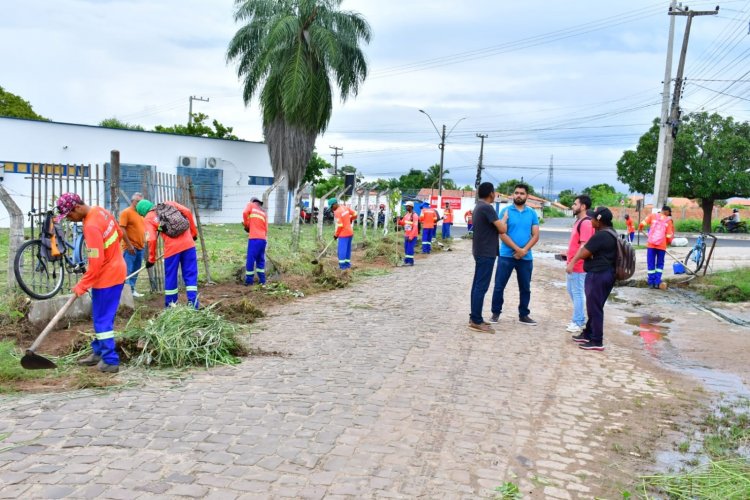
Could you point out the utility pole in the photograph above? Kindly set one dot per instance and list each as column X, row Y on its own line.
column 441, row 146
column 480, row 166
column 550, row 176
column 670, row 126
column 190, row 112
column 336, row 158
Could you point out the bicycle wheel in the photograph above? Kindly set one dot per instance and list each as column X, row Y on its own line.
column 695, row 258
column 38, row 277
column 82, row 258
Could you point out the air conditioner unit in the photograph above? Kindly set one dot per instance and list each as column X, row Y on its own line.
column 212, row 162
column 188, row 161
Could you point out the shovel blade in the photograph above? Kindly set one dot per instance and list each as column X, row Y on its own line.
column 33, row 361
column 314, row 262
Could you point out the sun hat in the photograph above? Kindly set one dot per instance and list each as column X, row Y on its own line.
column 66, row 203
column 143, row 207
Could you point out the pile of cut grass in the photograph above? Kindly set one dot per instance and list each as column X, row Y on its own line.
column 728, row 479
column 182, row 336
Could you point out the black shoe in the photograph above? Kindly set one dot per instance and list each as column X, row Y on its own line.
column 525, row 320
column 592, row 346
column 580, row 338
column 107, row 368
column 495, row 318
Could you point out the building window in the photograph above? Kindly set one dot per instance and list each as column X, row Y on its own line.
column 208, row 186
column 254, row 180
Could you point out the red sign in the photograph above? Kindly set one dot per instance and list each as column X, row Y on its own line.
column 454, row 201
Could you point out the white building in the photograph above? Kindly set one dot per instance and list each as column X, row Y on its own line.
column 226, row 173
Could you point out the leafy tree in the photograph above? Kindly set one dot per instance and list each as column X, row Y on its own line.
column 414, row 180
column 199, row 129
column 16, row 107
column 603, row 195
column 508, row 186
column 433, row 174
column 290, row 54
column 468, row 187
column 567, row 197
column 115, row 123
column 601, row 188
column 316, row 167
column 711, row 155
column 335, row 181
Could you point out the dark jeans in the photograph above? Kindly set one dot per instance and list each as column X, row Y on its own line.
column 482, row 276
column 505, row 267
column 597, row 286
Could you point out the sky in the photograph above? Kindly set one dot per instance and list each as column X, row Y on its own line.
column 567, row 83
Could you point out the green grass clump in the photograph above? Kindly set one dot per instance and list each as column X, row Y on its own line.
column 728, row 286
column 390, row 248
column 10, row 366
column 726, row 480
column 182, row 336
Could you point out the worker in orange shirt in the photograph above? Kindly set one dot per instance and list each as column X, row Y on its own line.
column 447, row 221
column 631, row 228
column 410, row 222
column 343, row 217
column 660, row 234
column 468, row 218
column 179, row 252
column 256, row 225
column 133, row 235
column 428, row 218
column 105, row 275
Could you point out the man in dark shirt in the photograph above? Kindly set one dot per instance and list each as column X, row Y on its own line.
column 599, row 256
column 485, row 247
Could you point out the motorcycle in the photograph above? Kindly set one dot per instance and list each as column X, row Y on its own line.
column 724, row 226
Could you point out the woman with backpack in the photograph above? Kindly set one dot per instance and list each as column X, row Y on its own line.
column 660, row 234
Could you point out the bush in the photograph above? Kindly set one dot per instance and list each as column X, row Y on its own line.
column 552, row 212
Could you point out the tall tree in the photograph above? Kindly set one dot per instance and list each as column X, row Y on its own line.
column 287, row 52
column 710, row 161
column 317, row 167
column 567, row 197
column 508, row 186
column 433, row 174
column 16, row 107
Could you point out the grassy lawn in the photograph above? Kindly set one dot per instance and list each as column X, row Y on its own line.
column 727, row 286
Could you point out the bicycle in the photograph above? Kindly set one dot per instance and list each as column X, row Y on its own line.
column 696, row 257
column 40, row 277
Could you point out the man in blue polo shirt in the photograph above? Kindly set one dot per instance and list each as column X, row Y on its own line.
column 515, row 253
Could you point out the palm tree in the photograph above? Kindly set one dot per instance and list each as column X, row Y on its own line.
column 287, row 52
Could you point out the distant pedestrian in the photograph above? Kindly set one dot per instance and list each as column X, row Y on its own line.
column 468, row 218
column 428, row 218
column 485, row 246
column 575, row 279
column 179, row 250
column 515, row 254
column 599, row 256
column 410, row 222
column 447, row 221
column 660, row 234
column 631, row 228
column 256, row 227
column 344, row 233
column 133, row 240
column 104, row 276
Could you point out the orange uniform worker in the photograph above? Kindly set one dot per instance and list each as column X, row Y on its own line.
column 179, row 252
column 410, row 222
column 429, row 219
column 105, row 275
column 447, row 221
column 256, row 226
column 468, row 218
column 344, row 233
column 631, row 227
column 660, row 234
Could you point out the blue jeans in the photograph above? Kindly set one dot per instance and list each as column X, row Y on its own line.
column 134, row 262
column 505, row 267
column 482, row 276
column 575, row 283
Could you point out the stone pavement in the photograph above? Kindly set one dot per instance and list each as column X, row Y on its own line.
column 385, row 393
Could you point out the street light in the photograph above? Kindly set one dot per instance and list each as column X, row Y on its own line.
column 441, row 146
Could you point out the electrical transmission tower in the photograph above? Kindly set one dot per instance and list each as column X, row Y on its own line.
column 550, row 177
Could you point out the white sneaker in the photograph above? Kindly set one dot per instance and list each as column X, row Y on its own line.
column 136, row 294
column 573, row 328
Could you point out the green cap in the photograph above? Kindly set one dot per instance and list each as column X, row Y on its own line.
column 143, row 207
column 332, row 202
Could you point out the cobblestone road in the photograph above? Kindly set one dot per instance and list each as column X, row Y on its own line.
column 385, row 393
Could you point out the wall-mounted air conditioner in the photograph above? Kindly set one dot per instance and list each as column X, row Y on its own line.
column 212, row 162
column 188, row 161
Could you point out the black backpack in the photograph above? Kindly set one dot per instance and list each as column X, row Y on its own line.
column 171, row 221
column 625, row 262
column 52, row 238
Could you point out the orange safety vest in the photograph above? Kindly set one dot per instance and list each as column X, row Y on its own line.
column 428, row 218
column 254, row 219
column 172, row 246
column 106, row 266
column 344, row 216
column 448, row 217
column 410, row 221
column 467, row 217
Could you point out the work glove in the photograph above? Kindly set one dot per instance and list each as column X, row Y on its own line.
column 247, row 229
column 335, row 237
column 195, row 238
column 149, row 265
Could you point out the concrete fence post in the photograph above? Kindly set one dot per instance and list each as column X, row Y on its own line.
column 16, row 232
